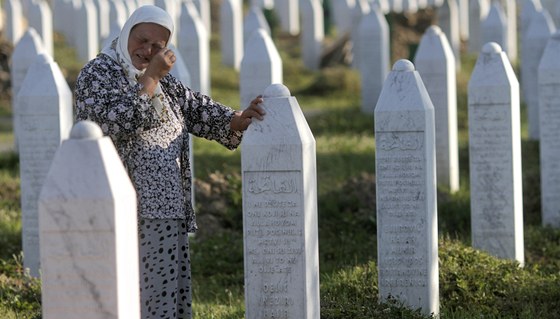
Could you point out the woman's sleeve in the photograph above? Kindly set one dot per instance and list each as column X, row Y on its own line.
column 207, row 118
column 105, row 97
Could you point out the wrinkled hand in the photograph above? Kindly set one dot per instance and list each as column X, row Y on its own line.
column 161, row 63
column 242, row 119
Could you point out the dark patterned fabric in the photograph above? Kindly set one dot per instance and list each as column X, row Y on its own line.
column 154, row 146
column 165, row 269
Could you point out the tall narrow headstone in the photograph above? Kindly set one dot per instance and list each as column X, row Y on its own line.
column 231, row 34
column 510, row 8
column 540, row 28
column 405, row 165
column 435, row 62
column 86, row 37
column 288, row 13
column 549, row 108
column 448, row 20
column 253, row 21
column 373, row 35
column 494, row 28
column 312, row 33
column 44, row 114
column 410, row 6
column 360, row 10
column 175, row 10
column 280, row 212
column 397, row 6
column 117, row 16
column 463, row 7
column 40, row 18
column 89, row 238
column 478, row 10
column 13, row 24
column 342, row 15
column 203, row 7
column 261, row 66
column 194, row 46
column 103, row 23
column 528, row 8
column 495, row 156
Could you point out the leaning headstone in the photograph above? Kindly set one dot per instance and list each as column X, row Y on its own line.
column 540, row 28
column 254, row 20
column 288, row 13
column 494, row 28
column 261, row 66
column 549, row 107
column 194, row 46
column 405, row 165
column 89, row 238
column 448, row 21
column 435, row 62
column 495, row 156
column 280, row 212
column 478, row 10
column 312, row 33
column 24, row 55
column 86, row 37
column 231, row 33
column 373, row 35
column 13, row 27
column 40, row 18
column 44, row 114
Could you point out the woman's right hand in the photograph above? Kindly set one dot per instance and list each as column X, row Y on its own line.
column 159, row 66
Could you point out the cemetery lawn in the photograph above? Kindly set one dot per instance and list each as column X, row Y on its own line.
column 472, row 283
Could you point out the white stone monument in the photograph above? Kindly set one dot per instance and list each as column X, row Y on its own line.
column 13, row 22
column 495, row 156
column 478, row 10
column 44, row 115
column 89, row 236
column 494, row 27
column 103, row 23
column 312, row 33
column 253, row 21
column 410, row 6
column 261, row 66
column 288, row 14
column 194, row 46
column 510, row 8
column 280, row 212
column 203, row 8
column 373, row 35
column 342, row 15
column 540, row 28
column 528, row 8
column 435, row 62
column 463, row 7
column 86, row 37
column 360, row 10
column 448, row 21
column 549, row 107
column 405, row 165
column 40, row 18
column 231, row 32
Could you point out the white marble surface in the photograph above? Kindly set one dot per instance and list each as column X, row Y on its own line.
column 312, row 33
column 280, row 212
column 478, row 10
column 494, row 27
column 231, row 32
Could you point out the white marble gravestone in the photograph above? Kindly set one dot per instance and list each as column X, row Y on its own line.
column 463, row 7
column 549, row 108
column 103, row 23
column 253, row 21
column 13, row 22
column 89, row 238
column 194, row 46
column 280, row 212
column 528, row 8
column 40, row 18
column 85, row 31
column 203, row 8
column 405, row 165
column 312, row 33
column 44, row 115
column 448, row 21
column 396, row 6
column 478, row 10
column 231, row 32
column 435, row 62
column 342, row 15
column 540, row 28
column 373, row 35
column 510, row 9
column 261, row 66
column 410, row 6
column 360, row 10
column 495, row 156
column 288, row 14
column 23, row 56
column 494, row 27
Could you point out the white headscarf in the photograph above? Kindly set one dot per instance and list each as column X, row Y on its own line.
column 118, row 49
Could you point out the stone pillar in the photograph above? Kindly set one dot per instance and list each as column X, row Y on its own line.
column 86, row 37
column 360, row 10
column 405, row 164
column 231, row 33
column 280, row 212
column 495, row 156
column 44, row 114
column 261, row 66
column 342, row 15
column 312, row 33
column 13, row 28
column 448, row 18
column 254, row 20
column 103, row 24
column 40, row 18
column 549, row 107
column 89, row 236
column 494, row 27
column 288, row 13
column 373, row 36
column 478, row 12
column 435, row 62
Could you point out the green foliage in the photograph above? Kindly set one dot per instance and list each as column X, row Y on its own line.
column 20, row 294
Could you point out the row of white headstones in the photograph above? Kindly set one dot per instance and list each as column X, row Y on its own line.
column 281, row 210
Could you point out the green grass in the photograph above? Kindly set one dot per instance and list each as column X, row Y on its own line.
column 472, row 283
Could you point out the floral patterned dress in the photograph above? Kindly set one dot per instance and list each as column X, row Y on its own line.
column 154, row 147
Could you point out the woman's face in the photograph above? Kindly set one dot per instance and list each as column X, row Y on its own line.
column 145, row 41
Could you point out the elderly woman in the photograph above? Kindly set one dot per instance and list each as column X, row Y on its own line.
column 128, row 91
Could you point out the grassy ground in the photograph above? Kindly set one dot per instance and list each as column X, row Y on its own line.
column 472, row 284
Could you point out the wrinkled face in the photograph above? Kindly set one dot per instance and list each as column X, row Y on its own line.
column 145, row 41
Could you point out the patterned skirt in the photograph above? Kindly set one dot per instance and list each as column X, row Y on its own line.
column 165, row 269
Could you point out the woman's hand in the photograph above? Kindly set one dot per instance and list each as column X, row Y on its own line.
column 242, row 119
column 159, row 66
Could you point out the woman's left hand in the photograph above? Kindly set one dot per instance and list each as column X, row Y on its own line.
column 242, row 119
